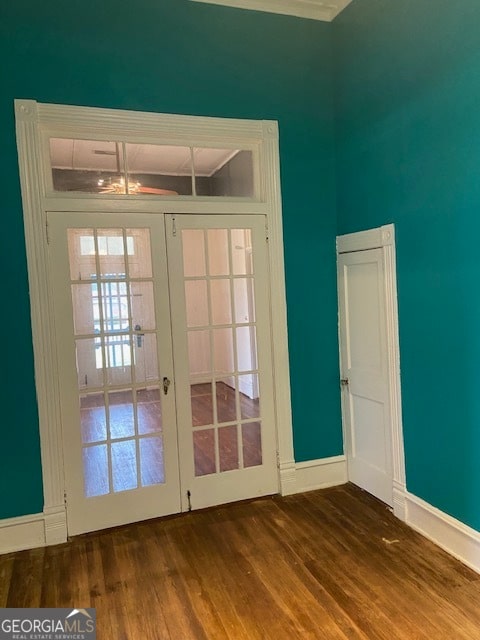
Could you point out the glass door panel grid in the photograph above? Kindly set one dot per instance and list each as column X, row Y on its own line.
column 221, row 327
column 122, row 443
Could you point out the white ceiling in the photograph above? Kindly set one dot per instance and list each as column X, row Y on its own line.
column 95, row 155
column 311, row 9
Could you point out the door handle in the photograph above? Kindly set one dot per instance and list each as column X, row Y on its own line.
column 166, row 384
column 139, row 335
column 344, row 382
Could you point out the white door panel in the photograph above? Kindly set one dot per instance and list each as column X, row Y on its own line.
column 222, row 351
column 365, row 404
column 112, row 321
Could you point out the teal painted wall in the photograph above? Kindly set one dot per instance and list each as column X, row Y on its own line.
column 408, row 152
column 179, row 57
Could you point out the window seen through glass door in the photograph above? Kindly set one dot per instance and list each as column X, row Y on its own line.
column 116, row 355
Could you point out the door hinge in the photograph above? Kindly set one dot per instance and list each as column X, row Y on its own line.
column 47, row 234
column 278, row 459
column 189, row 495
column 174, row 226
column 267, row 231
column 65, row 498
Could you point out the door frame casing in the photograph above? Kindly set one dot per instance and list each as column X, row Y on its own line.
column 384, row 238
column 35, row 122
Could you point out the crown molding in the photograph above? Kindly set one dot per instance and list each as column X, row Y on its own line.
column 310, row 9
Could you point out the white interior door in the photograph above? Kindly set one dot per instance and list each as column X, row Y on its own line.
column 223, row 361
column 112, row 321
column 364, row 373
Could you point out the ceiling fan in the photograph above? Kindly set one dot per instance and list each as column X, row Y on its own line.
column 118, row 185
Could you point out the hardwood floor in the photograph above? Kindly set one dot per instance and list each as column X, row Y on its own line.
column 332, row 564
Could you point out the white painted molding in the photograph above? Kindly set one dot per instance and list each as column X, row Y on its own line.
column 310, row 9
column 399, row 501
column 45, row 362
column 393, row 355
column 320, row 474
column 102, row 123
column 287, row 473
column 32, row 531
column 270, row 186
column 35, row 123
column 450, row 534
column 369, row 239
column 55, row 525
column 26, row 532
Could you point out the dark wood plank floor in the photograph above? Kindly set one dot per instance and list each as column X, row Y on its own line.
column 330, row 564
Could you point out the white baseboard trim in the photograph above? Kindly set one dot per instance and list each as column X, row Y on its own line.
column 450, row 534
column 25, row 532
column 36, row 530
column 287, row 478
column 320, row 474
column 399, row 500
column 55, row 524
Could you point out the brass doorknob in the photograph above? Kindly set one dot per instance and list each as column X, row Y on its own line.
column 166, row 384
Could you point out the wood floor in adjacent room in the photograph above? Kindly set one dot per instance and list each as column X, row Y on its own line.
column 330, row 564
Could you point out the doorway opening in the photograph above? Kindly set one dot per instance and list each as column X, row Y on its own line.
column 370, row 364
column 149, row 164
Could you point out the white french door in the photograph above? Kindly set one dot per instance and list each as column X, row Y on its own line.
column 163, row 350
column 112, row 322
column 223, row 362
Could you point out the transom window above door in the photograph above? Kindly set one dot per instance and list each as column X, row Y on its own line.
column 125, row 168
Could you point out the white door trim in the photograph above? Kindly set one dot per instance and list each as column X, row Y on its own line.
column 34, row 123
column 384, row 238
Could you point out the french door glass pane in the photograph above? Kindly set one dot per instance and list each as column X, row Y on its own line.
column 226, row 400
column 196, row 302
column 228, row 448
column 252, row 444
column 244, row 295
column 151, row 460
column 202, row 403
column 199, row 352
column 89, row 358
column 143, row 310
column 220, row 301
column 218, row 254
column 117, row 361
column 93, row 418
column 111, row 253
column 121, row 414
column 145, row 357
column 124, row 465
column 242, row 257
column 223, row 350
column 193, row 242
column 149, row 411
column 95, row 471
column 221, row 334
column 81, row 250
column 139, row 253
column 204, row 452
column 249, row 396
